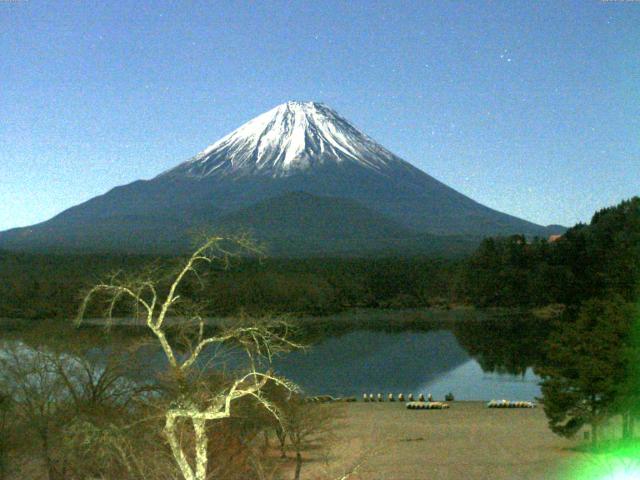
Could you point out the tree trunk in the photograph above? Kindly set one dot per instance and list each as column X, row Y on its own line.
column 626, row 423
column 176, row 448
column 3, row 459
column 202, row 457
column 298, row 466
column 282, row 439
column 48, row 462
column 2, row 466
column 594, row 422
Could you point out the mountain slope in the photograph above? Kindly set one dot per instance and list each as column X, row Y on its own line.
column 298, row 215
column 295, row 147
column 300, row 224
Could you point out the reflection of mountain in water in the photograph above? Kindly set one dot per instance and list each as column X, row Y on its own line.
column 368, row 361
column 470, row 381
column 476, row 359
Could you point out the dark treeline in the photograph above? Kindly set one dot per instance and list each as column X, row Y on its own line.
column 505, row 343
column 589, row 366
column 589, row 362
column 602, row 258
column 588, row 260
column 50, row 286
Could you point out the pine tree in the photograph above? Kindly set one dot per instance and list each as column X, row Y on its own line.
column 588, row 364
column 628, row 401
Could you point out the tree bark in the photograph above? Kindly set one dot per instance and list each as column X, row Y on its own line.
column 625, row 425
column 298, row 466
column 176, row 449
column 2, row 464
column 51, row 471
column 199, row 427
column 282, row 440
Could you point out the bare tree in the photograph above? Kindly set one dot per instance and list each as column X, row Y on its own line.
column 5, row 419
column 51, row 393
column 121, row 449
column 38, row 396
column 109, row 427
column 307, row 425
column 258, row 340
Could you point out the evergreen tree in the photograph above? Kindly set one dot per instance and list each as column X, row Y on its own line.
column 628, row 401
column 588, row 261
column 588, row 364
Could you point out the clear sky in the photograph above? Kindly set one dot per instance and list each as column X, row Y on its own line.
column 530, row 107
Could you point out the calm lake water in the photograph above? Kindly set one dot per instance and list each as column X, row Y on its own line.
column 403, row 362
column 475, row 360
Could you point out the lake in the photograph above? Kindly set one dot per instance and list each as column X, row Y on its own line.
column 401, row 362
column 475, row 360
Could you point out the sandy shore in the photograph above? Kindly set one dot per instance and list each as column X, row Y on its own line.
column 468, row 441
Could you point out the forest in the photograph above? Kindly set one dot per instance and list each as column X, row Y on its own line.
column 36, row 286
column 594, row 260
column 589, row 260
column 589, row 366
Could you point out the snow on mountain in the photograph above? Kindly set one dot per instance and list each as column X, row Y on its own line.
column 300, row 176
column 290, row 138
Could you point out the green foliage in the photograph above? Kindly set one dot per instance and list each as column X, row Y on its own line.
column 591, row 370
column 587, row 365
column 505, row 343
column 50, row 286
column 628, row 399
column 602, row 258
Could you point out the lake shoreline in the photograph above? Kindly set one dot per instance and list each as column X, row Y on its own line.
column 357, row 317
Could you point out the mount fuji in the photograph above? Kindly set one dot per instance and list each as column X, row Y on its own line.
column 300, row 177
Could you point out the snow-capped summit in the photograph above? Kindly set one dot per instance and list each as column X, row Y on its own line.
column 289, row 138
column 299, row 176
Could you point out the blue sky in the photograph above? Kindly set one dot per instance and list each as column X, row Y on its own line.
column 532, row 108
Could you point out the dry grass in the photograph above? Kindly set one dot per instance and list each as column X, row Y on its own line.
column 467, row 442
